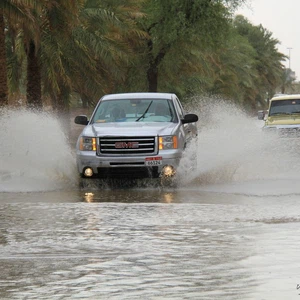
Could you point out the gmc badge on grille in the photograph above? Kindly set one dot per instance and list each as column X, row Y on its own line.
column 128, row 145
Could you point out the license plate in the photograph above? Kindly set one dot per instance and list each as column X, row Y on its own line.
column 153, row 161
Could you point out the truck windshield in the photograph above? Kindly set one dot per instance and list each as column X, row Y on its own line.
column 291, row 106
column 135, row 110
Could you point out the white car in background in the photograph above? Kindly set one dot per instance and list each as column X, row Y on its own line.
column 283, row 116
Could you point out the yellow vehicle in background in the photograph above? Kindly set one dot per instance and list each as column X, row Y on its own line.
column 283, row 116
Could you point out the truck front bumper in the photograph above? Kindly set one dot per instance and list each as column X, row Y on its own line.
column 91, row 165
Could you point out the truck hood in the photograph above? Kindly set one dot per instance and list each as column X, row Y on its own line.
column 283, row 120
column 130, row 129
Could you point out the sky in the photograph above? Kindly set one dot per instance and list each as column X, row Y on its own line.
column 280, row 17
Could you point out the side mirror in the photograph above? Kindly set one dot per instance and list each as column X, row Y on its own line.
column 261, row 115
column 81, row 120
column 189, row 118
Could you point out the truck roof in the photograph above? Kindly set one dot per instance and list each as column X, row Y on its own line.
column 286, row 97
column 144, row 95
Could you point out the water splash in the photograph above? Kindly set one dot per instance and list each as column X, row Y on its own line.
column 233, row 155
column 34, row 153
column 232, row 150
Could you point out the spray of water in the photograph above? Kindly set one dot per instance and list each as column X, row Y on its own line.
column 34, row 153
column 234, row 154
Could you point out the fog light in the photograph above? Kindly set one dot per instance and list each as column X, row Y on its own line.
column 168, row 171
column 88, row 172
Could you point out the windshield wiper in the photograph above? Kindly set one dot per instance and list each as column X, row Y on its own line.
column 143, row 115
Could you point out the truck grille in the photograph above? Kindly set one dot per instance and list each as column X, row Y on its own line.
column 127, row 145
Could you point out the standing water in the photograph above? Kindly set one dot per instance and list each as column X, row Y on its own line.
column 229, row 231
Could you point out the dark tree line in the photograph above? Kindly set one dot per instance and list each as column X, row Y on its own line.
column 53, row 50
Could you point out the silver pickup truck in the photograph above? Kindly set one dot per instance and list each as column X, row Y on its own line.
column 134, row 136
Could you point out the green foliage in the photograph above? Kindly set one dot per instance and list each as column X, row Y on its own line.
column 167, row 21
column 93, row 47
column 268, row 61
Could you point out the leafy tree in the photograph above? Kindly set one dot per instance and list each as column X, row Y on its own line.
column 233, row 67
column 247, row 67
column 18, row 16
column 57, row 19
column 108, row 39
column 86, row 52
column 93, row 47
column 28, row 21
column 268, row 60
column 13, row 15
column 179, row 32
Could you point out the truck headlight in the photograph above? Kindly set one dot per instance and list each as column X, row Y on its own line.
column 168, row 142
column 87, row 144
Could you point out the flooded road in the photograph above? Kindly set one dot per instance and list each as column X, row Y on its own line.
column 229, row 231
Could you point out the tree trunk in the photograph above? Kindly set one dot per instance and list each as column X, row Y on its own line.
column 34, row 90
column 154, row 62
column 152, row 76
column 3, row 64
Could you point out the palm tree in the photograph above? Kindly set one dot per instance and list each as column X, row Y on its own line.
column 87, row 53
column 268, row 60
column 102, row 47
column 14, row 17
column 12, row 13
column 233, row 66
column 57, row 18
column 30, row 19
column 90, row 60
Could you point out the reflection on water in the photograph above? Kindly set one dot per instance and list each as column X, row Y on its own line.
column 148, row 244
column 129, row 196
column 89, row 197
